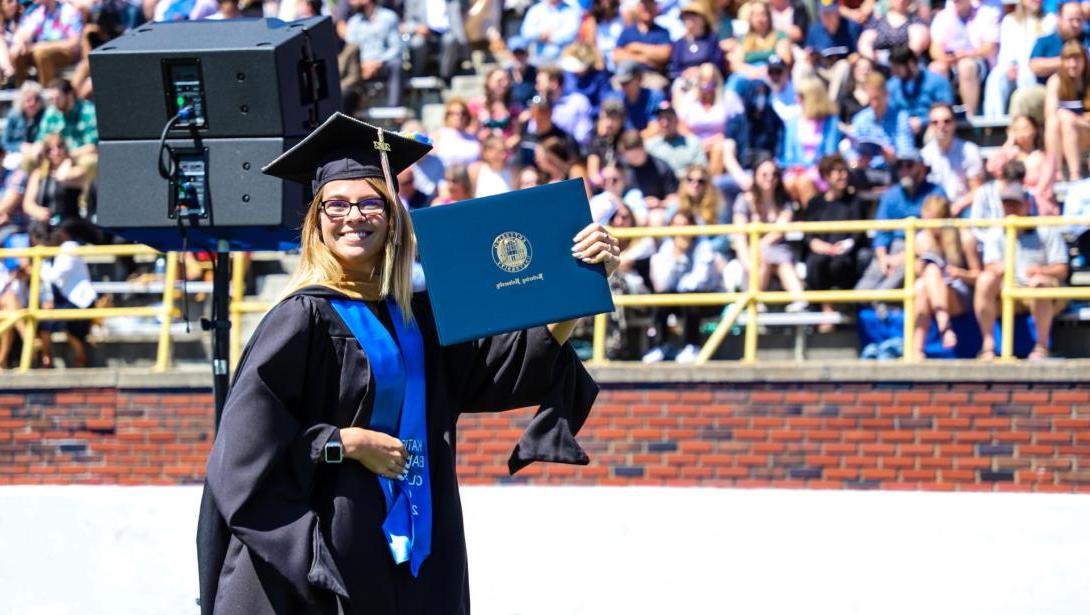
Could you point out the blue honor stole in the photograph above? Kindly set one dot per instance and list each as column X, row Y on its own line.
column 399, row 408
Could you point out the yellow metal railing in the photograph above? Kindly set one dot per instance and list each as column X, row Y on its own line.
column 33, row 313
column 738, row 302
column 749, row 300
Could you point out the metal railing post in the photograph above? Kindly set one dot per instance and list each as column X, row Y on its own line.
column 750, row 353
column 26, row 359
column 1010, row 229
column 162, row 356
column 238, row 291
column 909, row 352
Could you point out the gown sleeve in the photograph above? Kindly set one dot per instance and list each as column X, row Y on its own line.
column 523, row 368
column 262, row 467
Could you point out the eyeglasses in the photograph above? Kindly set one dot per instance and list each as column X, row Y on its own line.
column 943, row 122
column 696, row 180
column 339, row 208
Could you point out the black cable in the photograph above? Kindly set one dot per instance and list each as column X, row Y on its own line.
column 165, row 172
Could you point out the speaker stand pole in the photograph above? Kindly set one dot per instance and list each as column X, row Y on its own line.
column 212, row 532
column 221, row 327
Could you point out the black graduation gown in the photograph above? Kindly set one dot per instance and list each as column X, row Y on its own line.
column 304, row 536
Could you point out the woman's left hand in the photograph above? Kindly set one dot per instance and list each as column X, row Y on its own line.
column 594, row 244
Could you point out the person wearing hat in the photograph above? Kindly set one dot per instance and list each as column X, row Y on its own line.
column 680, row 151
column 333, row 471
column 1040, row 261
column 901, row 201
column 582, row 72
column 639, row 102
column 700, row 45
column 830, row 47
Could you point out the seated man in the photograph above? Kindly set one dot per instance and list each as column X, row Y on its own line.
column 878, row 131
column 639, row 102
column 48, row 38
column 645, row 42
column 964, row 42
column 914, row 88
column 1040, row 260
column 548, row 27
column 831, row 46
column 904, row 200
column 648, row 174
column 675, row 149
column 373, row 33
column 956, row 164
column 571, row 110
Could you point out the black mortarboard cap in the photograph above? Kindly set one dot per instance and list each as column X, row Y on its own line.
column 346, row 148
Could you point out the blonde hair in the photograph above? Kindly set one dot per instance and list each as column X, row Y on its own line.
column 816, row 104
column 318, row 265
column 938, row 207
column 707, row 208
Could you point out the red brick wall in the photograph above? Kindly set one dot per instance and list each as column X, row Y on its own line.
column 966, row 437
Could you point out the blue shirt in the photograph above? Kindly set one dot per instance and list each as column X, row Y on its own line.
column 561, row 21
column 655, row 35
column 846, row 35
column 1049, row 46
column 19, row 129
column 891, row 130
column 688, row 53
column 638, row 114
column 377, row 38
column 594, row 84
column 896, row 204
column 916, row 96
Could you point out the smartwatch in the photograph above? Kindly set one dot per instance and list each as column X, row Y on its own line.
column 333, row 451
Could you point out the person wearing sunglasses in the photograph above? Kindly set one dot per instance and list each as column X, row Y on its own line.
column 331, row 485
column 956, row 164
column 903, row 200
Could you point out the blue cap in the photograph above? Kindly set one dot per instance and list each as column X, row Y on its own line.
column 518, row 43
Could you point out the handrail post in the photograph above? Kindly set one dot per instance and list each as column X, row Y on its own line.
column 238, row 292
column 598, row 356
column 750, row 352
column 33, row 306
column 909, row 353
column 162, row 357
column 1007, row 327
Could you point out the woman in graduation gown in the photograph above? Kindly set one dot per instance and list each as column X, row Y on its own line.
column 334, row 465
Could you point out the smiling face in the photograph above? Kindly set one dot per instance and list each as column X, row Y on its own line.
column 767, row 177
column 356, row 240
column 1073, row 65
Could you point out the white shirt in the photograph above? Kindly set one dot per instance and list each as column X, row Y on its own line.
column 952, row 169
column 69, row 273
column 1077, row 204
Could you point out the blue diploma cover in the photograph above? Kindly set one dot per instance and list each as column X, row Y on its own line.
column 503, row 263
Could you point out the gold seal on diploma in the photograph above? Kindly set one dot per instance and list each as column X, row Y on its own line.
column 511, row 252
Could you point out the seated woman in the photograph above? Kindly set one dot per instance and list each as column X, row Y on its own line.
column 626, row 339
column 749, row 58
column 496, row 112
column 1018, row 32
column 454, row 187
column 705, row 113
column 456, row 143
column 699, row 45
column 946, row 271
column 1067, row 103
column 1024, row 144
column 490, row 175
column 900, row 26
column 807, row 137
column 697, row 195
column 767, row 201
column 835, row 260
column 683, row 264
column 853, row 96
column 55, row 188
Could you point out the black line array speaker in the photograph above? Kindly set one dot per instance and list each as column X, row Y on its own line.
column 234, row 94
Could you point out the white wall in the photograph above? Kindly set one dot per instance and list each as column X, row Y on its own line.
column 555, row 550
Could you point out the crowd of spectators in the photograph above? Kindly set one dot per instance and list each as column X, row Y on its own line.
column 701, row 112
column 673, row 112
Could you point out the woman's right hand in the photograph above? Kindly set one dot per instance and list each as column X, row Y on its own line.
column 380, row 453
